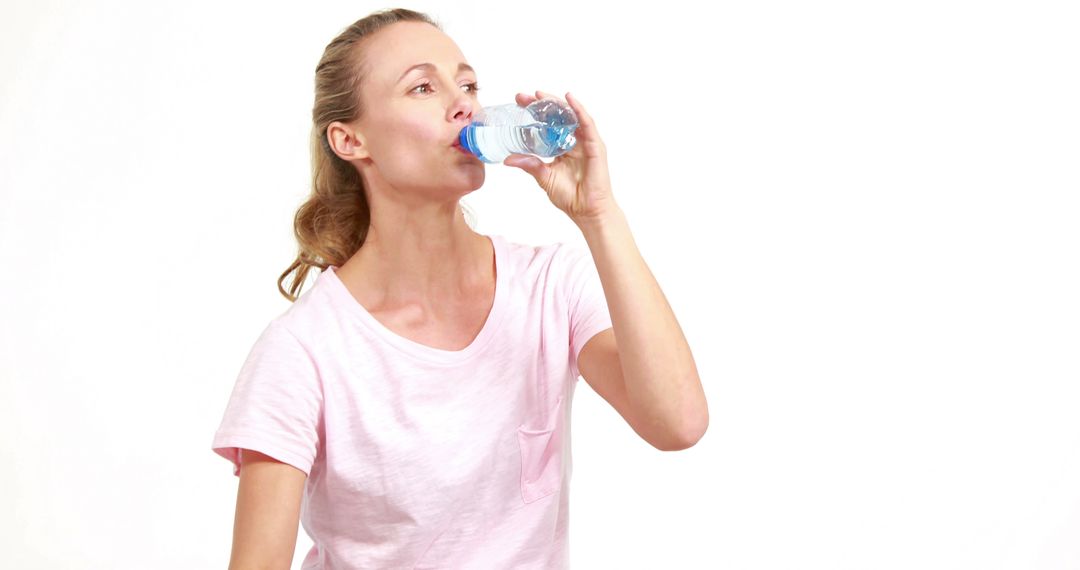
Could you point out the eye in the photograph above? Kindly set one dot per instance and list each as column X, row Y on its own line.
column 474, row 87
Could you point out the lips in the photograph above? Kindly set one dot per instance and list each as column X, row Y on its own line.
column 457, row 144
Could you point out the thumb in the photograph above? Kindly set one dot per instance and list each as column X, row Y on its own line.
column 528, row 163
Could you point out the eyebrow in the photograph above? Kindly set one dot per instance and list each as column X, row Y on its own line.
column 461, row 67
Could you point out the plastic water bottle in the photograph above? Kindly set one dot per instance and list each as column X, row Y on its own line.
column 544, row 128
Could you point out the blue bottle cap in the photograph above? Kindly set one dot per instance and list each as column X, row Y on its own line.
column 468, row 142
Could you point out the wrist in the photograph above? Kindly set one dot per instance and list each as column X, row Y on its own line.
column 601, row 224
column 609, row 215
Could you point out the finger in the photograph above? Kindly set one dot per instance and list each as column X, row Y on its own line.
column 531, row 164
column 586, row 125
column 544, row 95
column 524, row 99
column 584, row 119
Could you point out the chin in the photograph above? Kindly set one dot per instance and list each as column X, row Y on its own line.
column 475, row 178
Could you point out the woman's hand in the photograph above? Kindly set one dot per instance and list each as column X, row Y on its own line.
column 577, row 182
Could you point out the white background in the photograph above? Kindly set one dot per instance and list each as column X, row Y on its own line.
column 864, row 215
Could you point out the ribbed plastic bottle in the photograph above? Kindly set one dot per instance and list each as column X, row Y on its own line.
column 543, row 128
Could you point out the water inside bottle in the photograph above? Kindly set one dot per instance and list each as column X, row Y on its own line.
column 538, row 138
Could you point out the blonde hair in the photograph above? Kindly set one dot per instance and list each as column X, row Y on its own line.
column 331, row 225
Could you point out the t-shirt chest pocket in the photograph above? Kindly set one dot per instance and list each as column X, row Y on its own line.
column 540, row 441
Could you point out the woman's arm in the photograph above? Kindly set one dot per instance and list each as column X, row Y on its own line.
column 267, row 513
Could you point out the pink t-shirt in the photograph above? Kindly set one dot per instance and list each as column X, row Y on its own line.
column 419, row 457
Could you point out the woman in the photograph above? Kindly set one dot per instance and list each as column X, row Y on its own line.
column 414, row 405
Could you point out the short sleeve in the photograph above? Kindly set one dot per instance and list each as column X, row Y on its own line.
column 276, row 404
column 588, row 306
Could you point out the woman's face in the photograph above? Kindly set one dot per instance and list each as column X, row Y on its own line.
column 412, row 115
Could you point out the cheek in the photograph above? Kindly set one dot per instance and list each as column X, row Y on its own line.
column 421, row 135
column 411, row 143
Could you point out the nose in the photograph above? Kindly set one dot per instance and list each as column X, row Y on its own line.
column 461, row 111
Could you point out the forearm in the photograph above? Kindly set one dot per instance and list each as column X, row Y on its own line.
column 660, row 375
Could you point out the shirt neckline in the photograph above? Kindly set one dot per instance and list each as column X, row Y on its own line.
column 344, row 299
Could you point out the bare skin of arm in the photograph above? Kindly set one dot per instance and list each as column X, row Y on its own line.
column 267, row 513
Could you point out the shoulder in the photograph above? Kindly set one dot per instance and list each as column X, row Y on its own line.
column 278, row 340
column 554, row 255
column 311, row 316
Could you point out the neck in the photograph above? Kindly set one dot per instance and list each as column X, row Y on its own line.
column 422, row 260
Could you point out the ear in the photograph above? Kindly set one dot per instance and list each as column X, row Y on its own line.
column 345, row 141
